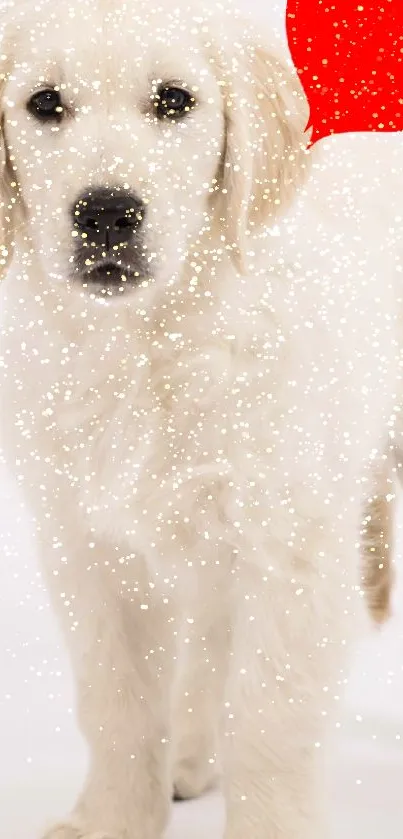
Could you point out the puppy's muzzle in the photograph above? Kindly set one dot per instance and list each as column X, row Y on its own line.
column 107, row 228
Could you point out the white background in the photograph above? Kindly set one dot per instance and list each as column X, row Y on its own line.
column 42, row 757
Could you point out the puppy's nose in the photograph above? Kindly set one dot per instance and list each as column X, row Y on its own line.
column 107, row 217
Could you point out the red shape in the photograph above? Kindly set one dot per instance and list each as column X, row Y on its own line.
column 349, row 57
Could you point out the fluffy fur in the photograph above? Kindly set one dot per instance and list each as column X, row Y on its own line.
column 196, row 452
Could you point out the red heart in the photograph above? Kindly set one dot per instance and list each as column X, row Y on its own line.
column 349, row 57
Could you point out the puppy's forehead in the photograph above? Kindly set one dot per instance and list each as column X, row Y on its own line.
column 92, row 38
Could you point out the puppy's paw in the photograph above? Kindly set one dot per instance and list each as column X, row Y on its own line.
column 192, row 778
column 68, row 831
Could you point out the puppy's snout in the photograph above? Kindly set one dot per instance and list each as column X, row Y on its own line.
column 107, row 217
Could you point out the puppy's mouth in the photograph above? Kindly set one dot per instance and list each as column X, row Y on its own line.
column 109, row 279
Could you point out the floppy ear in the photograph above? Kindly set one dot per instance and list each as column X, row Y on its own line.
column 7, row 189
column 264, row 156
column 3, row 248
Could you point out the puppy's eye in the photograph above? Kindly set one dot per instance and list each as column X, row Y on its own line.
column 46, row 105
column 173, row 102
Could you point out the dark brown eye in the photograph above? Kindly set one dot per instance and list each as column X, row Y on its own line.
column 173, row 102
column 46, row 105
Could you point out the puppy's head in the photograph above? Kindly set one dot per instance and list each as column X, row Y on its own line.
column 133, row 140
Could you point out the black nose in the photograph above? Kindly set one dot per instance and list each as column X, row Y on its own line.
column 107, row 217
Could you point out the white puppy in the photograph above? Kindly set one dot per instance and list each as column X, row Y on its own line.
column 196, row 392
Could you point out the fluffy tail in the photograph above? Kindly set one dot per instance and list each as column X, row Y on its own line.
column 377, row 539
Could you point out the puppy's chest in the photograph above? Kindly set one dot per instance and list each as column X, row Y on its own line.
column 151, row 439
column 132, row 429
column 82, row 405
column 153, row 418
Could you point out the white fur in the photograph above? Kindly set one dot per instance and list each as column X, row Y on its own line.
column 196, row 453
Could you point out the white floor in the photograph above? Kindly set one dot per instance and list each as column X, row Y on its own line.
column 42, row 757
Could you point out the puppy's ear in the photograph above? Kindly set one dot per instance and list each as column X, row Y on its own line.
column 7, row 186
column 3, row 248
column 264, row 155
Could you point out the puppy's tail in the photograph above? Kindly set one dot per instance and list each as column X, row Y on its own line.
column 377, row 539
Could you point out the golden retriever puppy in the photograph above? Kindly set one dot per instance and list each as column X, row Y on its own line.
column 189, row 403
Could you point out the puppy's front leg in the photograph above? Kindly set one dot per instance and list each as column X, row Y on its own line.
column 121, row 639
column 288, row 653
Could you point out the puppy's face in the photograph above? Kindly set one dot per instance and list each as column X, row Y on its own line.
column 121, row 123
column 115, row 125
